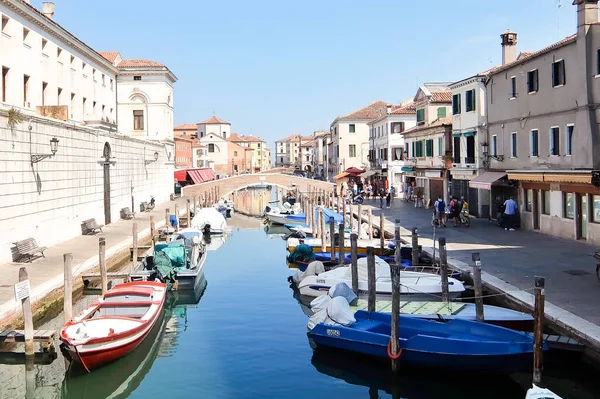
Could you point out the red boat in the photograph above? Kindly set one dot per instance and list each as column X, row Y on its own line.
column 114, row 325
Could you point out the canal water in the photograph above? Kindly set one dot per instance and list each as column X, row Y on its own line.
column 243, row 335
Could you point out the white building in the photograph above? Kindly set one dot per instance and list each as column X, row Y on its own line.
column 350, row 138
column 64, row 159
column 386, row 143
column 217, row 151
column 216, row 126
column 199, row 156
column 320, row 153
column 286, row 151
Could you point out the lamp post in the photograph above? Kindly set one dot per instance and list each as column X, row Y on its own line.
column 148, row 162
column 35, row 158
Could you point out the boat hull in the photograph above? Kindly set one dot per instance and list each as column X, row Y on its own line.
column 282, row 219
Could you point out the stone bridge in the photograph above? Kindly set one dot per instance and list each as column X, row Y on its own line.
column 212, row 190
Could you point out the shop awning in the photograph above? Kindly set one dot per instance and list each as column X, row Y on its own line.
column 407, row 169
column 340, row 176
column 195, row 176
column 539, row 177
column 469, row 134
column 583, row 177
column 354, row 171
column 207, row 174
column 485, row 180
column 455, row 134
column 369, row 173
column 181, row 175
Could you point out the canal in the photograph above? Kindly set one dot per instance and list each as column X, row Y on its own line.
column 243, row 335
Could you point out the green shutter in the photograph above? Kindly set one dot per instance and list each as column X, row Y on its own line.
column 420, row 115
column 441, row 146
column 441, row 112
column 469, row 134
column 429, row 148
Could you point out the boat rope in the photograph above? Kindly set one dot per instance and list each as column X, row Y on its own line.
column 389, row 351
column 439, row 297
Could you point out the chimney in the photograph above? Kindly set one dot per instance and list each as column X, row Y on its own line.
column 389, row 109
column 509, row 46
column 48, row 9
column 587, row 14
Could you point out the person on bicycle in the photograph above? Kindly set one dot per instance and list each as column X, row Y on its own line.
column 455, row 211
column 440, row 209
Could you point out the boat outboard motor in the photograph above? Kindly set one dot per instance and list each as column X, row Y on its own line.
column 206, row 229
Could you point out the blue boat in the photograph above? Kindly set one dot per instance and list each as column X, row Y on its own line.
column 456, row 344
column 300, row 218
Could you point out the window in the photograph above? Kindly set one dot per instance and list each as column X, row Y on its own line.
column 545, row 201
column 568, row 205
column 25, row 89
column 211, row 148
column 597, row 61
column 558, row 73
column 568, row 139
column 235, row 153
column 352, row 150
column 419, row 149
column 281, row 160
column 513, row 87
column 414, row 149
column 138, row 120
column 397, row 127
column 470, row 100
column 103, row 80
column 72, row 62
column 44, row 87
column 440, row 146
column 420, row 115
column 470, row 158
column 494, row 148
column 528, row 199
column 456, row 104
column 441, row 112
column 83, row 67
column 397, row 154
column 44, row 43
column 337, row 150
column 25, row 35
column 58, row 96
column 352, row 128
column 111, row 84
column 534, row 144
column 456, row 149
column 378, row 131
column 84, row 102
column 596, row 209
column 532, row 81
column 513, row 145
column 4, row 24
column 429, row 148
column 4, row 82
column 554, row 140
column 58, row 53
column 137, row 78
column 72, row 104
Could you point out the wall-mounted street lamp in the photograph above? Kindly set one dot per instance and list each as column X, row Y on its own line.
column 487, row 156
column 152, row 160
column 35, row 158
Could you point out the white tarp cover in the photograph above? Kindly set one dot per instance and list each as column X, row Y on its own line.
column 382, row 269
column 313, row 269
column 209, row 216
column 336, row 313
column 340, row 289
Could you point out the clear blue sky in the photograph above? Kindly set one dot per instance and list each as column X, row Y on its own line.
column 274, row 68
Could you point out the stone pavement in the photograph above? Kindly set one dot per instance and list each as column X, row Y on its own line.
column 47, row 274
column 515, row 256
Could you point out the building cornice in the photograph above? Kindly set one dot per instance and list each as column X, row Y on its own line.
column 34, row 16
column 468, row 81
column 147, row 72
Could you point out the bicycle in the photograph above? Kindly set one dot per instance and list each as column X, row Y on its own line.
column 435, row 221
column 463, row 218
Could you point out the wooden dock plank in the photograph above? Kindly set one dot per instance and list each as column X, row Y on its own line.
column 19, row 335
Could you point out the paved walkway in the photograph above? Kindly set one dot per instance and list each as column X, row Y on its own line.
column 515, row 257
column 47, row 274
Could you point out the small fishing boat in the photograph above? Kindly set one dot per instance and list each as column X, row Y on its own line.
column 414, row 285
column 209, row 221
column 114, row 325
column 285, row 208
column 302, row 230
column 362, row 245
column 283, row 219
column 225, row 207
column 457, row 344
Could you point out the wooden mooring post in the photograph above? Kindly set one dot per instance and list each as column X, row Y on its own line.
column 381, row 232
column 332, row 238
column 395, row 351
column 322, row 233
column 167, row 213
column 102, row 264
column 371, row 283
column 477, row 286
column 152, row 230
column 354, row 257
column 188, row 213
column 68, row 300
column 370, row 222
column 444, row 269
column 176, row 217
column 538, row 333
column 415, row 246
column 342, row 244
column 359, row 218
column 27, row 316
column 344, row 213
column 134, row 233
column 351, row 216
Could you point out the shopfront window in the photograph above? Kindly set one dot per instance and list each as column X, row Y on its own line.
column 569, row 205
column 528, row 199
column 545, row 202
column 596, row 209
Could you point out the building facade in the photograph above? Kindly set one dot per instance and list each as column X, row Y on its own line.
column 185, row 138
column 320, row 153
column 428, row 145
column 286, row 151
column 214, row 125
column 65, row 158
column 217, row 153
column 199, row 159
column 542, row 129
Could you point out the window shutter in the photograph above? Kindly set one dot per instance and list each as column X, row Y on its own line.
column 553, row 74
column 441, row 112
column 564, row 76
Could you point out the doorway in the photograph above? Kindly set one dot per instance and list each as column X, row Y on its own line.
column 106, row 165
column 535, row 209
column 582, row 213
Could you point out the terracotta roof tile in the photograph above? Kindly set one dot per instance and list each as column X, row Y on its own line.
column 197, row 145
column 435, row 123
column 289, row 138
column 371, row 111
column 409, row 109
column 441, row 96
column 179, row 136
column 213, row 120
column 132, row 63
column 109, row 55
column 186, row 126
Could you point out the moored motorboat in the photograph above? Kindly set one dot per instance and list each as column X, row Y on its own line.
column 114, row 325
column 536, row 392
column 414, row 285
column 209, row 221
column 362, row 245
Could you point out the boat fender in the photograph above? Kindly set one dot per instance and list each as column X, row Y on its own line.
column 111, row 332
column 389, row 351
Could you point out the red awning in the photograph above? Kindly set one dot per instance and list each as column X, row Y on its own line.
column 207, row 174
column 354, row 171
column 195, row 176
column 181, row 175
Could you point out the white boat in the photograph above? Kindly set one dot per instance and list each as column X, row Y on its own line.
column 536, row 392
column 414, row 286
column 209, row 221
column 275, row 207
column 279, row 218
column 224, row 206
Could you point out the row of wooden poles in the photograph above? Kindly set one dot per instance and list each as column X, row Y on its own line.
column 316, row 197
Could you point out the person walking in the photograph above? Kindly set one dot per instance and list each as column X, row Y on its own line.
column 510, row 211
column 381, row 196
column 440, row 210
column 454, row 211
column 392, row 193
column 388, row 199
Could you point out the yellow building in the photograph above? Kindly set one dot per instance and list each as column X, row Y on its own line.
column 260, row 158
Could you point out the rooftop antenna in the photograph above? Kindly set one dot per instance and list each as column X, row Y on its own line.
column 558, row 6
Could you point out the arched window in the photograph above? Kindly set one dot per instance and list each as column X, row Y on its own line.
column 211, row 147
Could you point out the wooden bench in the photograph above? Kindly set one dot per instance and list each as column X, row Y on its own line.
column 27, row 249
column 126, row 214
column 90, row 226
